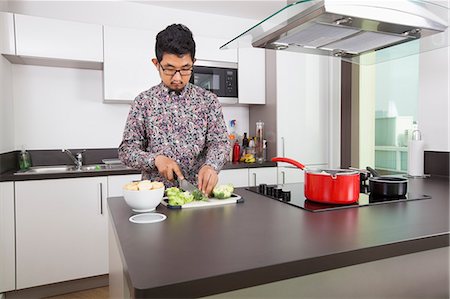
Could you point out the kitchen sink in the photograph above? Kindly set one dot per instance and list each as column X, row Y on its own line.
column 70, row 168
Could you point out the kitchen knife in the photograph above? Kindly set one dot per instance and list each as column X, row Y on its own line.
column 186, row 185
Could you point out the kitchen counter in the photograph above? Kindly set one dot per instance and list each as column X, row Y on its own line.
column 10, row 176
column 202, row 252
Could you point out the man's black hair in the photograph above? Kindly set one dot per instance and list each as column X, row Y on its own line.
column 175, row 39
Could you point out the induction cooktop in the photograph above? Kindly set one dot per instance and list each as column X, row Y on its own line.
column 292, row 194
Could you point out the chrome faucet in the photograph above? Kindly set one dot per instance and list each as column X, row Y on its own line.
column 77, row 158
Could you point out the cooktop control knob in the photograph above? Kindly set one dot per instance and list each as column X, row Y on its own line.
column 269, row 191
column 286, row 195
column 262, row 189
column 277, row 193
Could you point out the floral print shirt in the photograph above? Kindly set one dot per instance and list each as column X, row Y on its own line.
column 187, row 127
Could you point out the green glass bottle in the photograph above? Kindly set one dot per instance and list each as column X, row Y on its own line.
column 24, row 160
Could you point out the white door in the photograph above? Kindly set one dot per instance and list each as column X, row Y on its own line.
column 116, row 183
column 128, row 69
column 252, row 76
column 51, row 38
column 7, row 241
column 237, row 177
column 263, row 175
column 7, row 42
column 61, row 230
column 302, row 107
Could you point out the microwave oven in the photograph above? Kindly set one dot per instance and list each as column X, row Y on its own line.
column 218, row 77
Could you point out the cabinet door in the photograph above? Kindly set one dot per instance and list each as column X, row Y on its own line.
column 7, row 239
column 128, row 69
column 209, row 49
column 61, row 230
column 289, row 175
column 263, row 175
column 7, row 42
column 237, row 177
column 252, row 76
column 302, row 107
column 50, row 38
column 116, row 183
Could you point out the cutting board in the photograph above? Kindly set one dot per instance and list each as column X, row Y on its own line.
column 211, row 202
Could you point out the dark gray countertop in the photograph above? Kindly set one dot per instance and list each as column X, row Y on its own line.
column 199, row 252
column 9, row 176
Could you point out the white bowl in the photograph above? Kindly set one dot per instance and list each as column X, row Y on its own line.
column 143, row 200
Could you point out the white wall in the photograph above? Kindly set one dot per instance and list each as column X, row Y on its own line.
column 61, row 107
column 6, row 107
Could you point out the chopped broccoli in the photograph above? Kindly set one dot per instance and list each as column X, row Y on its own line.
column 223, row 191
column 198, row 195
column 176, row 197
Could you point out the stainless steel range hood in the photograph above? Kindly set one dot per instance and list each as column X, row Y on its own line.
column 351, row 29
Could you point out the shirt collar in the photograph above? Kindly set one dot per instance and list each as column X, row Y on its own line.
column 167, row 92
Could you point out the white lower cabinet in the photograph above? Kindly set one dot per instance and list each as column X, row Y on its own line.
column 244, row 177
column 7, row 247
column 289, row 175
column 116, row 183
column 237, row 177
column 263, row 175
column 61, row 230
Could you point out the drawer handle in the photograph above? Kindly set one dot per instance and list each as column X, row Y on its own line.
column 101, row 198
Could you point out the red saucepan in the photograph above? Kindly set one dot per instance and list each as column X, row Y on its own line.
column 333, row 186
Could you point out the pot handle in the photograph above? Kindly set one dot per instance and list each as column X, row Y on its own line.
column 290, row 161
column 373, row 171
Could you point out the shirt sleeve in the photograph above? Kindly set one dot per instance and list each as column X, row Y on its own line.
column 217, row 142
column 132, row 150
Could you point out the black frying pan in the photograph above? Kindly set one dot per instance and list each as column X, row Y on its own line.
column 386, row 186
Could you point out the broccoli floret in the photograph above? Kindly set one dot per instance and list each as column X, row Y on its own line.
column 223, row 191
column 198, row 195
column 172, row 191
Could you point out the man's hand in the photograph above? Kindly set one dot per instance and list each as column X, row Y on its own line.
column 207, row 179
column 167, row 167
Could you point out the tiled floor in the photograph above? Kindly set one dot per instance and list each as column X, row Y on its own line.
column 98, row 293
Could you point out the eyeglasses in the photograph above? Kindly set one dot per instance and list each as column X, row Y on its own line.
column 172, row 72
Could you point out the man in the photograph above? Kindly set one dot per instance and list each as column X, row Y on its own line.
column 175, row 127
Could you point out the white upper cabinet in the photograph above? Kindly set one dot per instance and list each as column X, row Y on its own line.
column 128, row 68
column 51, row 38
column 251, row 76
column 207, row 48
column 302, row 107
column 7, row 42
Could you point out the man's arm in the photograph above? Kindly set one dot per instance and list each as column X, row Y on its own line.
column 217, row 143
column 134, row 142
column 217, row 148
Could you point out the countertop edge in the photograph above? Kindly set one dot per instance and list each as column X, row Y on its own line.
column 254, row 277
column 10, row 176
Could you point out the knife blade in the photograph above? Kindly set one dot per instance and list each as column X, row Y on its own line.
column 186, row 185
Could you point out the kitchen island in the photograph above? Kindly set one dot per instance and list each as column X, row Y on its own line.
column 263, row 246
